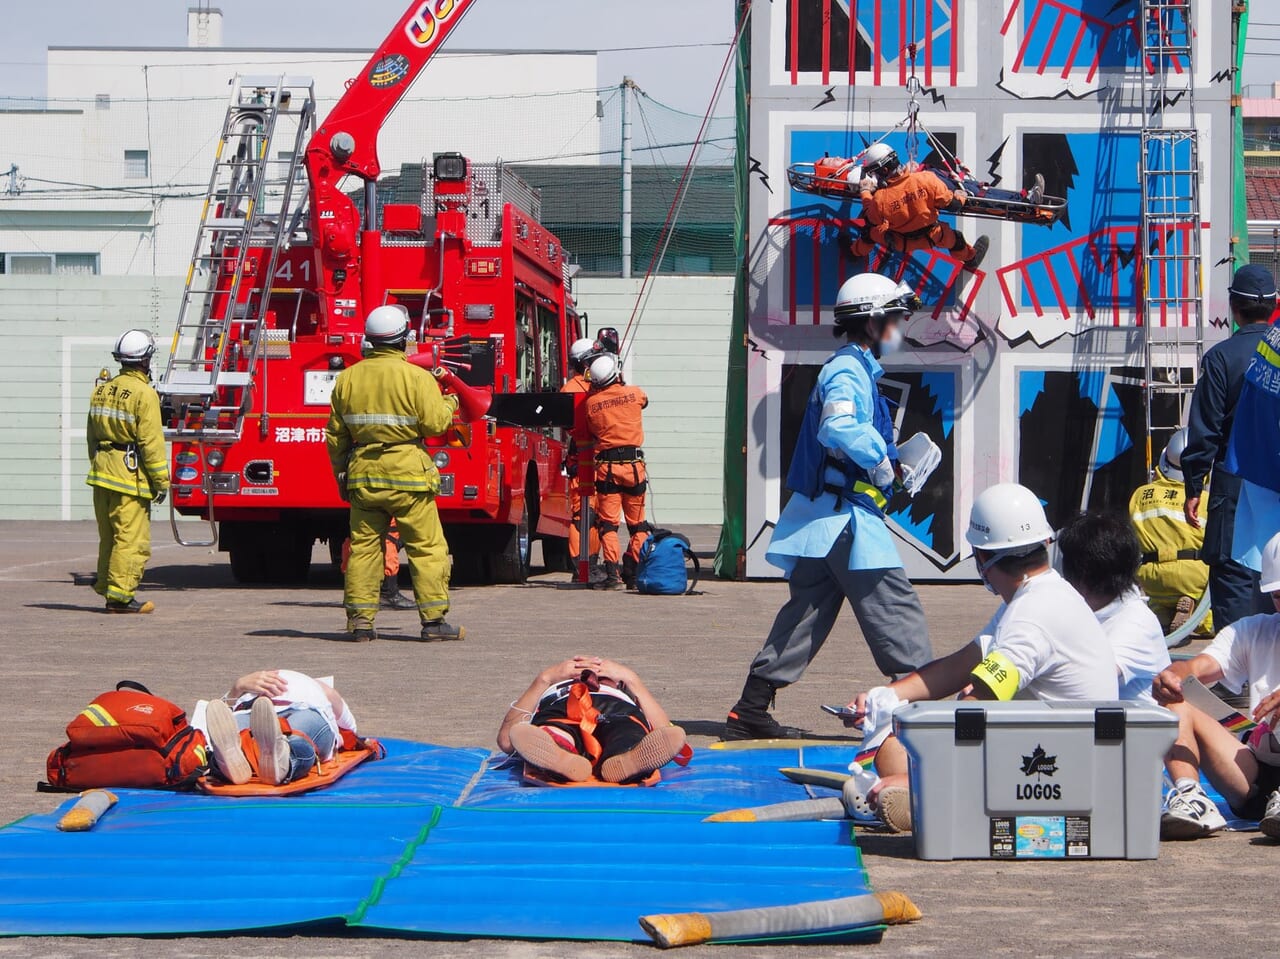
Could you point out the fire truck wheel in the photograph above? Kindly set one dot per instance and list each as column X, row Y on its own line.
column 511, row 565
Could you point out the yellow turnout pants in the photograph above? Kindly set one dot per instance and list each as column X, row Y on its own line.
column 418, row 522
column 124, row 542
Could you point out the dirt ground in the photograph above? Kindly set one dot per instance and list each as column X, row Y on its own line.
column 59, row 650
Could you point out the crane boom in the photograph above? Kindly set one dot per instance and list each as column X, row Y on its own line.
column 346, row 144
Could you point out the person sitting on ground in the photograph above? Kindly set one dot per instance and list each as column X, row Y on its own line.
column 311, row 709
column 1245, row 770
column 590, row 715
column 1043, row 642
column 1100, row 557
column 1172, row 574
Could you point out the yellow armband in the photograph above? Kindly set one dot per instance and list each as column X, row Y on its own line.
column 999, row 675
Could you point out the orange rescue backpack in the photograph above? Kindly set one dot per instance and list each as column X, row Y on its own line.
column 129, row 738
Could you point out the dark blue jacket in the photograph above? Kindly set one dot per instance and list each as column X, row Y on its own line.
column 1214, row 404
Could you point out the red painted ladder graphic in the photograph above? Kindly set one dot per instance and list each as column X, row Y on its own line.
column 880, row 55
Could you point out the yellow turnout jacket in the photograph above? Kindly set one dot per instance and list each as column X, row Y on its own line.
column 126, row 437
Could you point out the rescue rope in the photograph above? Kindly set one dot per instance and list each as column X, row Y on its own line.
column 682, row 189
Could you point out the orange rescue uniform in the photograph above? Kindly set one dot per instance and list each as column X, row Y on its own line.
column 578, row 383
column 903, row 216
column 615, row 418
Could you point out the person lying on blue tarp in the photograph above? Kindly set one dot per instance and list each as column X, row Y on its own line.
column 294, row 721
column 588, row 717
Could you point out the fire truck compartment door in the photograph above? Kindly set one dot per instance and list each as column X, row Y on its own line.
column 317, row 389
column 533, row 410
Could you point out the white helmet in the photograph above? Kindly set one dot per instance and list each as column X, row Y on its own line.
column 387, row 325
column 133, row 347
column 581, row 349
column 1270, row 581
column 879, row 158
column 1007, row 518
column 1171, row 458
column 605, row 370
column 869, row 295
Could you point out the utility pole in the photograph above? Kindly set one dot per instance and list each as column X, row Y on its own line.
column 627, row 86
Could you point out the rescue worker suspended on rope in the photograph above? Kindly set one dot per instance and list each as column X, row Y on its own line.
column 1172, row 574
column 615, row 419
column 901, row 207
column 128, row 470
column 382, row 409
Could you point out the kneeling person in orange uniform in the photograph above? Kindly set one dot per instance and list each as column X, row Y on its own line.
column 901, row 207
column 588, row 714
column 615, row 418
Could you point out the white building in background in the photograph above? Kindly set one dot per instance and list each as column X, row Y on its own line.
column 107, row 175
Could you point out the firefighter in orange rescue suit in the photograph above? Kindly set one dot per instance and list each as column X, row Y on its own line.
column 128, row 470
column 579, row 355
column 382, row 409
column 901, row 208
column 615, row 418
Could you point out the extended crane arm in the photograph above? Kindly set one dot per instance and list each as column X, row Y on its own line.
column 346, row 143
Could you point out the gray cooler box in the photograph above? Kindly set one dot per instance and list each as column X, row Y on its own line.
column 1033, row 780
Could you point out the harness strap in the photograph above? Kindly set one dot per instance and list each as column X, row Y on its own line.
column 621, row 454
column 582, row 711
column 1181, row 554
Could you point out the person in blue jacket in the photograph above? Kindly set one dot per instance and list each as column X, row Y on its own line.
column 831, row 538
column 1233, row 587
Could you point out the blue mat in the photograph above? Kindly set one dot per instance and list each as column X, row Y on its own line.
column 431, row 841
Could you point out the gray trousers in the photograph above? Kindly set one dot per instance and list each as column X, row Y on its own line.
column 883, row 600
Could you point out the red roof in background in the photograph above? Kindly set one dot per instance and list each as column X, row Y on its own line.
column 1262, row 192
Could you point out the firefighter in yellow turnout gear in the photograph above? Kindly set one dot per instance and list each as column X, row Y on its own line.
column 1172, row 574
column 128, row 470
column 382, row 409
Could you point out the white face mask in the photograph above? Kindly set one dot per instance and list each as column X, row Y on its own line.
column 982, row 574
column 892, row 341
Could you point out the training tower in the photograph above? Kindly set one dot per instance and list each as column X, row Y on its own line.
column 1075, row 346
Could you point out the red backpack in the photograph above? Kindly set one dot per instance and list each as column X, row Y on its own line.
column 129, row 739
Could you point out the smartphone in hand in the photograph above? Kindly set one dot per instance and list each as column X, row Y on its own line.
column 843, row 712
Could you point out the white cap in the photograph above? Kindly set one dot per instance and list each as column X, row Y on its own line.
column 134, row 346
column 604, row 370
column 1270, row 582
column 1007, row 517
column 387, row 324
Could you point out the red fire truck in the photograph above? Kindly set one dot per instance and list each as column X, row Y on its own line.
column 287, row 264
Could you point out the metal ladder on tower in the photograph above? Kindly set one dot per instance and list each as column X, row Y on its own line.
column 253, row 203
column 1169, row 175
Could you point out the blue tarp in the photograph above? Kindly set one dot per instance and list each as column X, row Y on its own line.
column 431, row 841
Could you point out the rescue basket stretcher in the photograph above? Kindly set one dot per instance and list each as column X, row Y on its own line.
column 322, row 775
column 839, row 180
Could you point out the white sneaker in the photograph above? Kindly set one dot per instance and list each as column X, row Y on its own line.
column 1190, row 814
column 1270, row 824
column 273, row 748
column 224, row 739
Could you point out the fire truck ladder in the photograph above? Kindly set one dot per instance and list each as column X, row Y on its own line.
column 253, row 201
column 1172, row 269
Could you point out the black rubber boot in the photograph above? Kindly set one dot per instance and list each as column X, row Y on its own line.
column 980, row 247
column 392, row 598
column 750, row 719
column 611, row 578
column 629, row 571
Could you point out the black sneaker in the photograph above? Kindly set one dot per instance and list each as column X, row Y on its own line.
column 133, row 606
column 980, row 246
column 438, row 631
column 744, row 725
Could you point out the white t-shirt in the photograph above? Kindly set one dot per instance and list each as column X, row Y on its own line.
column 301, row 690
column 1249, row 652
column 1137, row 640
column 1054, row 643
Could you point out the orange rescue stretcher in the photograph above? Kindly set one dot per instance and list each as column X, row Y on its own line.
column 837, row 178
column 322, row 775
